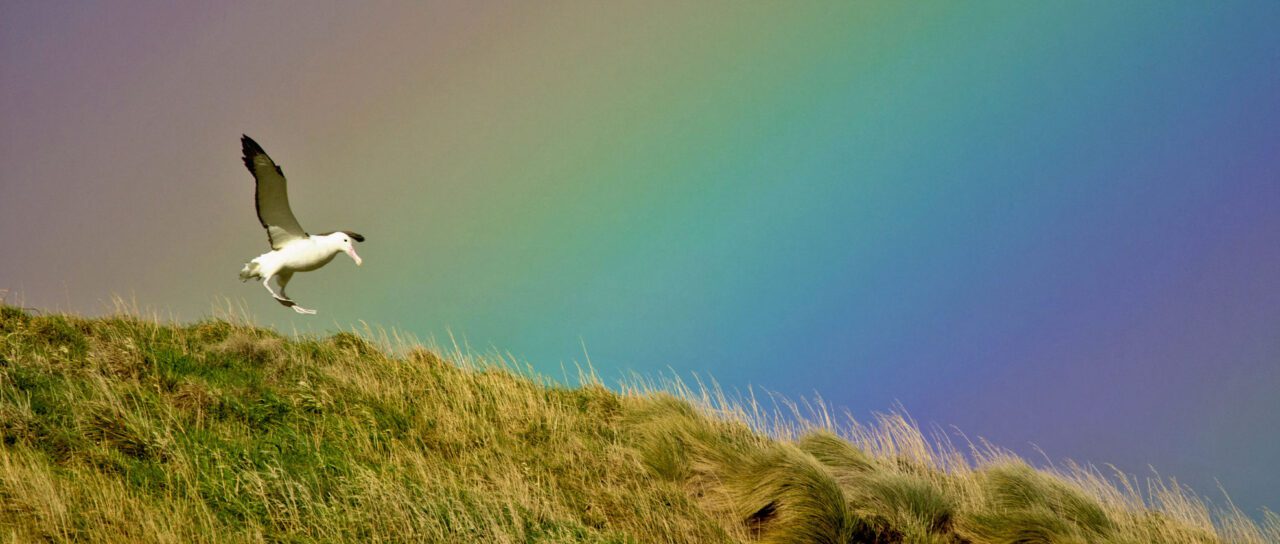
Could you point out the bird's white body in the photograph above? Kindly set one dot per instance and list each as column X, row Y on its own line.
column 293, row 250
column 301, row 255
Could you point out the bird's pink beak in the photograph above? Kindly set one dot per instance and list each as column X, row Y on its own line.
column 352, row 252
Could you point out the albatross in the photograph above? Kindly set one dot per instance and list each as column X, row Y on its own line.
column 292, row 249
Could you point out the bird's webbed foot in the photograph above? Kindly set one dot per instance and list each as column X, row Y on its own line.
column 291, row 304
column 281, row 298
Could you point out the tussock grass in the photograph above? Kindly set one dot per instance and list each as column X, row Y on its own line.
column 129, row 428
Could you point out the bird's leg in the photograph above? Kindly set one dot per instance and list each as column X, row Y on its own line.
column 267, row 283
column 283, row 279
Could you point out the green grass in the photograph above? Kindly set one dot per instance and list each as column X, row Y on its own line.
column 129, row 429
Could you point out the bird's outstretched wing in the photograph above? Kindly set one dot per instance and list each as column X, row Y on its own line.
column 272, row 197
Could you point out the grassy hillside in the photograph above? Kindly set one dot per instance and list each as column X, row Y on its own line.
column 128, row 429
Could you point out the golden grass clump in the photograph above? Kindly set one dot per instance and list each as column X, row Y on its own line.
column 250, row 347
column 125, row 428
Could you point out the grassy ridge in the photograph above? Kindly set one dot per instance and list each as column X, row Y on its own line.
column 128, row 429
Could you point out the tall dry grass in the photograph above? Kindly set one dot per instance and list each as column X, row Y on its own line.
column 134, row 428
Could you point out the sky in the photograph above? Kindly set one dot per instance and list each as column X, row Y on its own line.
column 1055, row 225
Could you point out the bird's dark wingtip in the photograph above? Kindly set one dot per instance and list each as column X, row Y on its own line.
column 250, row 149
column 249, row 146
column 354, row 235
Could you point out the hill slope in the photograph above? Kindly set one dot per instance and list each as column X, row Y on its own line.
column 123, row 428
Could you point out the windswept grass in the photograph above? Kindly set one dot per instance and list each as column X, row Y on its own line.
column 129, row 429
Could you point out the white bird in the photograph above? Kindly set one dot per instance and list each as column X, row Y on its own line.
column 292, row 249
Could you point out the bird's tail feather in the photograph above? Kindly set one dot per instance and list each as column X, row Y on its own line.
column 249, row 271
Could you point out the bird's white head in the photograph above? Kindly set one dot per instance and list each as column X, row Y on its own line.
column 345, row 242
